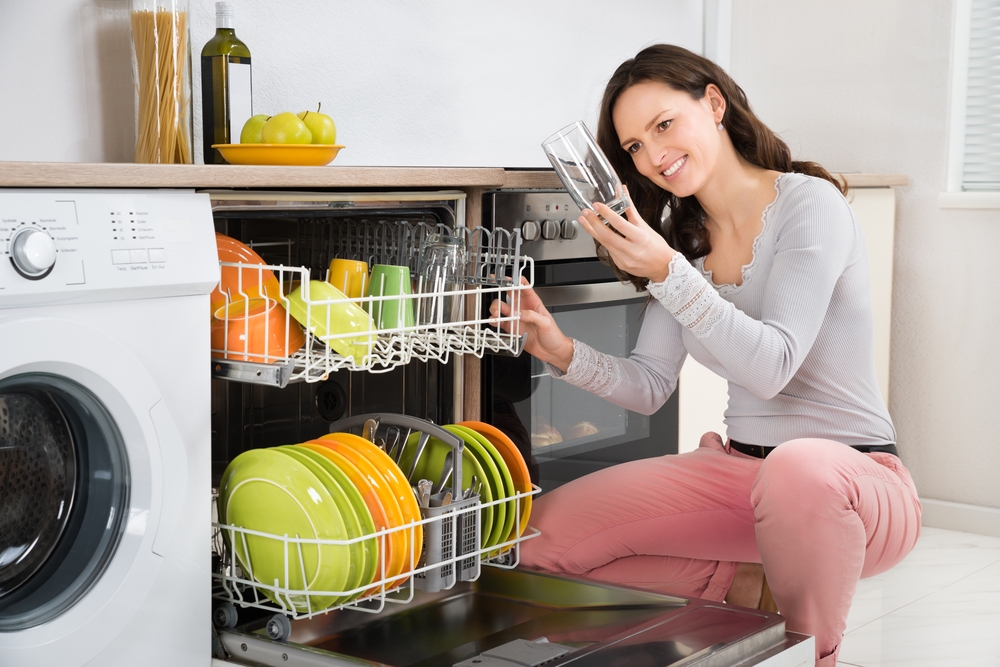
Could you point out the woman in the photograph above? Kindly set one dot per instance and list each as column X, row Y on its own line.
column 760, row 274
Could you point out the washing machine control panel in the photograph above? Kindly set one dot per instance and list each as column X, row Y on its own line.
column 105, row 244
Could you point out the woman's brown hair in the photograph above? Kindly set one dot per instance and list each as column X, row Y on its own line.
column 685, row 71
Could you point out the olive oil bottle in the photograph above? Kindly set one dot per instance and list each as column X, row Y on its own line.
column 226, row 85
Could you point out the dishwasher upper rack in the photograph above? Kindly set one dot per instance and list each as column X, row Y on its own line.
column 493, row 272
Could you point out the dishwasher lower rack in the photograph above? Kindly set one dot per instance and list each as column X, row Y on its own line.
column 271, row 324
column 451, row 552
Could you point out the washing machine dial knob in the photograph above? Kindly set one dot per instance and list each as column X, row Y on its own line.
column 33, row 252
column 530, row 231
column 550, row 229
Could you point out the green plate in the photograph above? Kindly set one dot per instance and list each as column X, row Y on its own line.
column 507, row 490
column 360, row 507
column 432, row 462
column 353, row 523
column 493, row 479
column 267, row 491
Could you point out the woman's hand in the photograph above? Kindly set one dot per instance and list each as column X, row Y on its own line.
column 636, row 248
column 542, row 337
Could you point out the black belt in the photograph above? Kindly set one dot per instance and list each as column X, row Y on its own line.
column 761, row 452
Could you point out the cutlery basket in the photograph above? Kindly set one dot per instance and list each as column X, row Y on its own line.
column 454, row 534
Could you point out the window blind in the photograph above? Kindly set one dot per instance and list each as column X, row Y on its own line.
column 982, row 116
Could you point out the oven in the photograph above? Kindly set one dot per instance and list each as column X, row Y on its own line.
column 564, row 431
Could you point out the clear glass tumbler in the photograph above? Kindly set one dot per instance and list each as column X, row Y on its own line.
column 584, row 169
column 442, row 275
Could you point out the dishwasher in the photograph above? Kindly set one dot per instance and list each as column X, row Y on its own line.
column 460, row 602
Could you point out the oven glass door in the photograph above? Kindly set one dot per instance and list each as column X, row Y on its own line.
column 569, row 432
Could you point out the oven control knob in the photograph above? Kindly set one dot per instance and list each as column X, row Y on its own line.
column 569, row 229
column 550, row 229
column 32, row 252
column 530, row 230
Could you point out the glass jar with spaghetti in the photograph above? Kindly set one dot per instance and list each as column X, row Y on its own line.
column 161, row 68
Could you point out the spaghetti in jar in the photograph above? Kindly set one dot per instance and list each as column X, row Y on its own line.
column 161, row 67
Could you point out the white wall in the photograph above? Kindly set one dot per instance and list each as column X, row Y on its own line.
column 864, row 86
column 436, row 82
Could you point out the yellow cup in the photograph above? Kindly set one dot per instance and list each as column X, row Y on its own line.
column 350, row 276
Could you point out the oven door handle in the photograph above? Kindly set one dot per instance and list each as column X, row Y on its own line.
column 576, row 295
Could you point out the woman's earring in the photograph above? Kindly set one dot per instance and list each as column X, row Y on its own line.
column 720, row 126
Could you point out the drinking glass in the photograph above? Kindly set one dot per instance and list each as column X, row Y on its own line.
column 442, row 269
column 584, row 169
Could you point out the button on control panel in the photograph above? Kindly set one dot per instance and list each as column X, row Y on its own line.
column 547, row 220
column 550, row 229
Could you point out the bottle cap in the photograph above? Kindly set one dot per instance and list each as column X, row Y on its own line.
column 225, row 15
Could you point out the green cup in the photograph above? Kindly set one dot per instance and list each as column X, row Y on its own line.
column 390, row 280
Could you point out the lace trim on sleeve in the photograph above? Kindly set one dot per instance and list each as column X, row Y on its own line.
column 593, row 371
column 689, row 297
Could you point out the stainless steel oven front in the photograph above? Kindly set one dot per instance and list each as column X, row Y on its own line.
column 564, row 431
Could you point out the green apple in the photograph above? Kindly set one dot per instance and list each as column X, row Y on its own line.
column 324, row 130
column 285, row 128
column 251, row 129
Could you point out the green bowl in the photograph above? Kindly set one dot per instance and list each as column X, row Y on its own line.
column 265, row 490
column 332, row 317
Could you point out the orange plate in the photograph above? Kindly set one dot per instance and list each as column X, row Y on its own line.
column 369, row 483
column 393, row 476
column 515, row 463
column 291, row 155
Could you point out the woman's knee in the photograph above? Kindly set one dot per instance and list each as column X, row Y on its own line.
column 801, row 470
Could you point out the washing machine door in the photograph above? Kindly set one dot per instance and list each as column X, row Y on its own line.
column 80, row 490
column 64, row 480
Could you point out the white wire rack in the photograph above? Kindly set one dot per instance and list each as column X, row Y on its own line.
column 447, row 562
column 261, row 335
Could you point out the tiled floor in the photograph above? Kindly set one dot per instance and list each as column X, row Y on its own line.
column 939, row 607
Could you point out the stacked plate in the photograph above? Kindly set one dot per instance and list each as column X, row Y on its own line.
column 492, row 463
column 340, row 488
column 331, row 520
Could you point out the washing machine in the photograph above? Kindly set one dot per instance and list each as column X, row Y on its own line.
column 105, row 427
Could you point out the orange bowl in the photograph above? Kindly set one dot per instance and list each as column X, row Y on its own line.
column 248, row 281
column 301, row 155
column 257, row 330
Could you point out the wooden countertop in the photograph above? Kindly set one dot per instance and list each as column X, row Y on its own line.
column 128, row 175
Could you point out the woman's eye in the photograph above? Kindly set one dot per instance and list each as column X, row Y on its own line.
column 664, row 125
column 634, row 148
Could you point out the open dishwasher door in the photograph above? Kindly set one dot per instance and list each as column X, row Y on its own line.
column 517, row 617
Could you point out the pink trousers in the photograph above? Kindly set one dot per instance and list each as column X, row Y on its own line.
column 819, row 515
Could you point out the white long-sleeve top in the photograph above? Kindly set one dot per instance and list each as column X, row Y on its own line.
column 794, row 340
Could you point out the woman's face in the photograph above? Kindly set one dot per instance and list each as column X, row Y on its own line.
column 673, row 139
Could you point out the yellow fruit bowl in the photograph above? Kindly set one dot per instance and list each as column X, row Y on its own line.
column 301, row 155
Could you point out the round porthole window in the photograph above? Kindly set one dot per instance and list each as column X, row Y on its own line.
column 64, row 491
